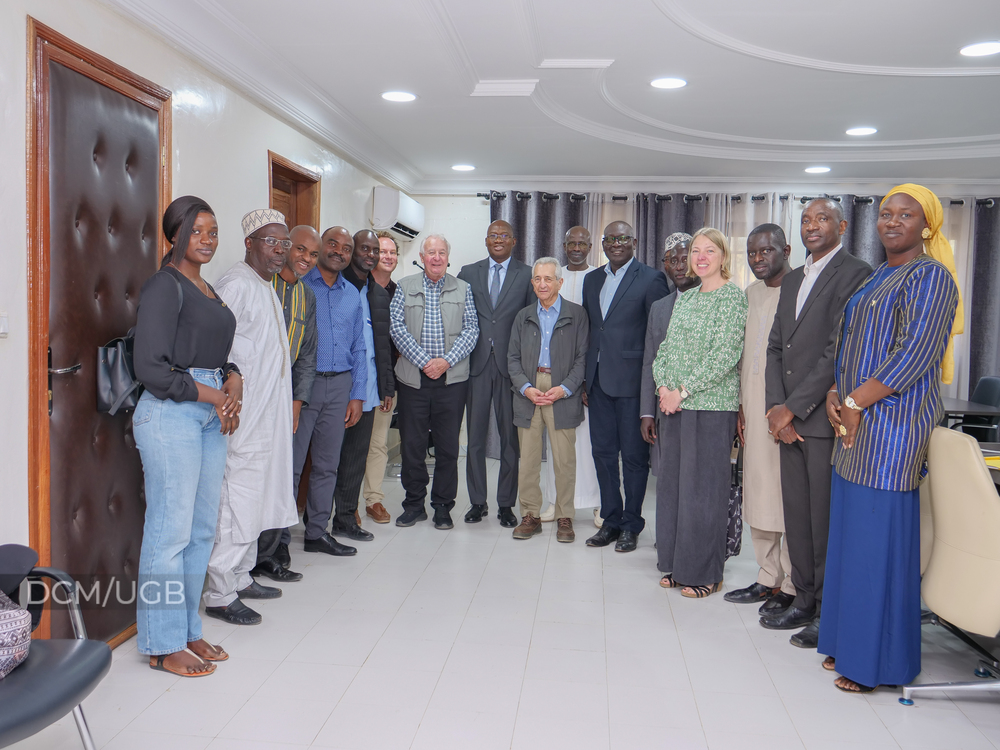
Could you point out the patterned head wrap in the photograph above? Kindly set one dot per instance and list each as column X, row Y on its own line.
column 261, row 218
column 937, row 247
column 677, row 238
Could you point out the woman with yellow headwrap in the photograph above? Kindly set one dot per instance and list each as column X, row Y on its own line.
column 894, row 348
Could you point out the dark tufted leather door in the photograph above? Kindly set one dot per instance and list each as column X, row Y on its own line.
column 104, row 178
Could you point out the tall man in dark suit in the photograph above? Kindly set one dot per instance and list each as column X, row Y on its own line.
column 801, row 356
column 618, row 298
column 501, row 286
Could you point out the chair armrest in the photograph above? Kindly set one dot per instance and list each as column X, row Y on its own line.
column 72, row 601
column 975, row 425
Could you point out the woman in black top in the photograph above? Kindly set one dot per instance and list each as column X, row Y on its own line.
column 191, row 401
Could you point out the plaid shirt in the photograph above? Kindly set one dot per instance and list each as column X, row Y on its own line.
column 432, row 336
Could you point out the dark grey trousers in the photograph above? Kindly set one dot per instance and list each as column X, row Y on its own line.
column 806, row 474
column 350, row 474
column 321, row 427
column 693, row 479
column 490, row 388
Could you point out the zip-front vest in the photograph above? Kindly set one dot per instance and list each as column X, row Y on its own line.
column 452, row 311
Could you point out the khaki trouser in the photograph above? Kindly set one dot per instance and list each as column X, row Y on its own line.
column 563, row 458
column 378, row 458
column 772, row 557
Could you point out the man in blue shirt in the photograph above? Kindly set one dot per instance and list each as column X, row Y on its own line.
column 339, row 390
column 547, row 361
column 378, row 394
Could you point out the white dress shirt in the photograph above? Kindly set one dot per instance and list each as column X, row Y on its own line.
column 812, row 271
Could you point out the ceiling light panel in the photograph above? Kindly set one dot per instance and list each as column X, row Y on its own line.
column 817, row 170
column 981, row 49
column 668, row 83
column 398, row 96
column 463, row 167
column 862, row 131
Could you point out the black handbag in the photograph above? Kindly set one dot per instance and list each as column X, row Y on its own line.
column 734, row 534
column 117, row 387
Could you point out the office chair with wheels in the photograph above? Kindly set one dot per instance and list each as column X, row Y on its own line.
column 961, row 584
column 58, row 674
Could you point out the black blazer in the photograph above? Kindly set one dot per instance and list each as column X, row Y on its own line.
column 620, row 339
column 378, row 303
column 494, row 325
column 802, row 353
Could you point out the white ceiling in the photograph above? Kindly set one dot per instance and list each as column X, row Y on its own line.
column 772, row 86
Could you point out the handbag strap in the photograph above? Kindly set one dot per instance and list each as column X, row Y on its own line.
column 121, row 399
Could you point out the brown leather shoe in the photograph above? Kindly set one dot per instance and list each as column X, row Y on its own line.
column 378, row 513
column 564, row 530
column 530, row 525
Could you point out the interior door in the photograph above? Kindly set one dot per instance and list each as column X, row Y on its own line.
column 101, row 152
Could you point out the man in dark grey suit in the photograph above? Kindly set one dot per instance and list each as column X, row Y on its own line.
column 501, row 287
column 649, row 408
column 801, row 355
column 618, row 298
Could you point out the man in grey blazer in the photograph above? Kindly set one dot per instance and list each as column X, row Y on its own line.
column 501, row 287
column 649, row 409
column 801, row 355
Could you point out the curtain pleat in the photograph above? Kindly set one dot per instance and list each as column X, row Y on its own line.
column 659, row 216
column 861, row 238
column 540, row 220
column 984, row 333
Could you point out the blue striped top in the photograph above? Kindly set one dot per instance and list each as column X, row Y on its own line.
column 895, row 329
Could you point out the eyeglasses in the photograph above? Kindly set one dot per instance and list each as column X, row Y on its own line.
column 617, row 240
column 577, row 245
column 495, row 237
column 274, row 242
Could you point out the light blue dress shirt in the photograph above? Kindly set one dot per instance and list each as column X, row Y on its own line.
column 547, row 320
column 611, row 285
column 371, row 398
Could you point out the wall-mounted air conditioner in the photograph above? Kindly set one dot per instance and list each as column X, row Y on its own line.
column 397, row 213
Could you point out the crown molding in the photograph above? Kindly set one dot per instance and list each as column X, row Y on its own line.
column 441, row 20
column 326, row 121
column 575, row 64
column 611, row 101
column 514, row 87
column 559, row 114
column 949, row 187
column 672, row 9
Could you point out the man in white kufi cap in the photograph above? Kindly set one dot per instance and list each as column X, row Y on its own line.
column 257, row 487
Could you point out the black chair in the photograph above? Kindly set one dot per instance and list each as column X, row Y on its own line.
column 58, row 674
column 983, row 429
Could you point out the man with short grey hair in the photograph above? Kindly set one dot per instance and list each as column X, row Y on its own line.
column 432, row 320
column 547, row 361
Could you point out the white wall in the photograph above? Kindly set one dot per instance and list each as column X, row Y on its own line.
column 220, row 144
column 463, row 219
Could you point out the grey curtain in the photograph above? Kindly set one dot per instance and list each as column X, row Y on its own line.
column 540, row 220
column 659, row 216
column 984, row 336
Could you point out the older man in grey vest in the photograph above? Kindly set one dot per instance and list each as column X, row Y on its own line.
column 434, row 325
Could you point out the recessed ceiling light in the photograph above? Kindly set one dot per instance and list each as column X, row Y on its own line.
column 981, row 49
column 862, row 131
column 668, row 83
column 462, row 167
column 398, row 96
column 817, row 170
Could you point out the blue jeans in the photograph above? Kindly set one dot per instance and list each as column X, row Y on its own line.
column 183, row 459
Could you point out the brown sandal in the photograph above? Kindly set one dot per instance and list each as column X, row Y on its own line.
column 700, row 592
column 160, row 667
column 850, row 686
column 830, row 664
column 218, row 653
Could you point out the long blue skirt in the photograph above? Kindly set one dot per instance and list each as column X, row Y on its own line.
column 870, row 621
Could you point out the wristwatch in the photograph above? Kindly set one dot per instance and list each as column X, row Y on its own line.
column 850, row 403
column 684, row 393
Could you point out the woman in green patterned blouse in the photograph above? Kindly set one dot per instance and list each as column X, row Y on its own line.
column 698, row 384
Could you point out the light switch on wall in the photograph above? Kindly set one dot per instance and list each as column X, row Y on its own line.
column 4, row 324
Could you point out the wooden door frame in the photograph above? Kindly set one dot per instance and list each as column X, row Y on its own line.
column 299, row 175
column 44, row 45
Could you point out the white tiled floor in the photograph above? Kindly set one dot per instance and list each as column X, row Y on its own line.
column 469, row 640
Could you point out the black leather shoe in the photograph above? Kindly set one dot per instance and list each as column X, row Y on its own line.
column 507, row 518
column 329, row 545
column 410, row 517
column 442, row 519
column 792, row 618
column 776, row 604
column 752, row 594
column 604, row 537
column 352, row 531
column 259, row 591
column 476, row 513
column 269, row 568
column 282, row 555
column 236, row 613
column 808, row 637
column 627, row 541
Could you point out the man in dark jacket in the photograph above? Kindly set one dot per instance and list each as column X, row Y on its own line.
column 547, row 360
column 381, row 387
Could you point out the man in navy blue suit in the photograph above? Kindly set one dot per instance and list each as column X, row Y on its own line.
column 617, row 298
